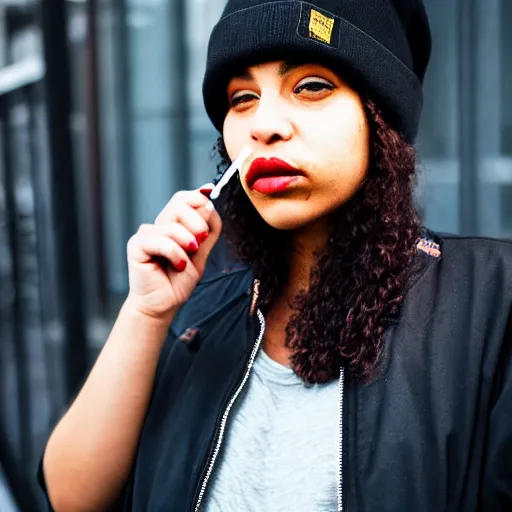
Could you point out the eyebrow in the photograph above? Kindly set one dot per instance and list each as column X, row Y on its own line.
column 285, row 67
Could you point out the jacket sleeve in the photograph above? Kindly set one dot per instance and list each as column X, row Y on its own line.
column 497, row 478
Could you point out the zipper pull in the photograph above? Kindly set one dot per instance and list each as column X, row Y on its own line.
column 255, row 296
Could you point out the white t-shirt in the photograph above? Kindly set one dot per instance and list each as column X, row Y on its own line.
column 280, row 448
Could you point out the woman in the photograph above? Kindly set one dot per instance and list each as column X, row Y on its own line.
column 354, row 361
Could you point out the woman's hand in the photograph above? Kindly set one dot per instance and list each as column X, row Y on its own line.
column 167, row 259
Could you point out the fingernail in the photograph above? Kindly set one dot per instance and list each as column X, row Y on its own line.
column 206, row 192
column 193, row 246
column 180, row 266
column 202, row 237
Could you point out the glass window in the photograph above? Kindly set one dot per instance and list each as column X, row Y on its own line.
column 201, row 18
column 506, row 118
column 438, row 140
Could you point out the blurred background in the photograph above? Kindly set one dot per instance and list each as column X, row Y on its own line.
column 101, row 121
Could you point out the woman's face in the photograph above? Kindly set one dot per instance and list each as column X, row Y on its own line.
column 309, row 136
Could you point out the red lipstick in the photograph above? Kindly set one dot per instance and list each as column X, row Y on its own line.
column 271, row 175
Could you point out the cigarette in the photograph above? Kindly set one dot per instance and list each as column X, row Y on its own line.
column 233, row 169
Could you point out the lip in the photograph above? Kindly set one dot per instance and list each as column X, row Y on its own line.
column 269, row 167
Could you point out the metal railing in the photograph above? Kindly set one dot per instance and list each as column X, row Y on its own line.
column 23, row 201
column 43, row 346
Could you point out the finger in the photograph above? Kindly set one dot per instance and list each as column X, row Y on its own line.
column 206, row 211
column 207, row 189
column 215, row 223
column 193, row 221
column 192, row 198
column 177, row 232
column 144, row 248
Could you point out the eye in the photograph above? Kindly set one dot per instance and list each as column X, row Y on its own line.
column 242, row 97
column 313, row 85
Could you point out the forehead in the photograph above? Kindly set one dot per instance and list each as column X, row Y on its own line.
column 282, row 67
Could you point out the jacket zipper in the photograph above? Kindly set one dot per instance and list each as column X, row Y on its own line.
column 225, row 416
column 339, row 479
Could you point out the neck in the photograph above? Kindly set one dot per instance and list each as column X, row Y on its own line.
column 306, row 244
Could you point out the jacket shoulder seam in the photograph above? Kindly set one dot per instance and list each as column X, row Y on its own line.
column 475, row 238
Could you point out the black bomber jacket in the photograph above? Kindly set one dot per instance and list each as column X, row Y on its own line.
column 432, row 433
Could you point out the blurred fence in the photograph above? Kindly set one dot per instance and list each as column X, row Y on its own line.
column 41, row 310
column 25, row 239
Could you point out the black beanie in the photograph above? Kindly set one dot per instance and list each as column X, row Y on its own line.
column 381, row 47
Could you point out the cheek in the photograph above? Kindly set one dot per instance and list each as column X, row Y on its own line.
column 356, row 144
column 352, row 132
column 232, row 133
column 344, row 142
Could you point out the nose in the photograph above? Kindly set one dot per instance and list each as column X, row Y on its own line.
column 270, row 123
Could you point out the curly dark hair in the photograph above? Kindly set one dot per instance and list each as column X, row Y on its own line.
column 357, row 283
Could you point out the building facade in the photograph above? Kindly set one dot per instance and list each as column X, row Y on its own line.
column 102, row 121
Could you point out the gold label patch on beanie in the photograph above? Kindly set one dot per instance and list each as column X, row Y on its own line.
column 320, row 26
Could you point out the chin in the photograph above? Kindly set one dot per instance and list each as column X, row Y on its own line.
column 284, row 224
column 285, row 219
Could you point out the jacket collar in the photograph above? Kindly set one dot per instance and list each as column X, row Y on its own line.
column 234, row 283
